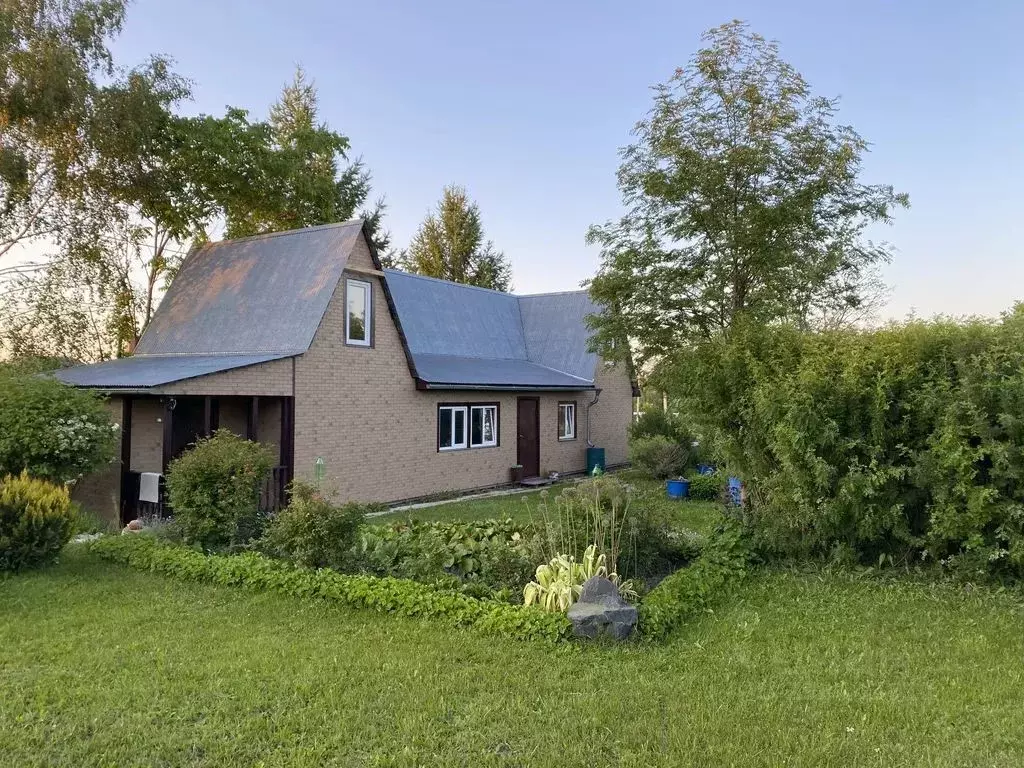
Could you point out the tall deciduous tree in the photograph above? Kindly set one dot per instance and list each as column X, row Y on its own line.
column 50, row 55
column 312, row 181
column 450, row 245
column 743, row 199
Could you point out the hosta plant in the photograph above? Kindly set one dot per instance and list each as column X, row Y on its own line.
column 560, row 581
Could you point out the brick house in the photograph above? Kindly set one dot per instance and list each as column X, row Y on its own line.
column 401, row 386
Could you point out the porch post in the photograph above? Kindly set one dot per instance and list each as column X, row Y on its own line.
column 252, row 423
column 126, row 455
column 168, row 434
column 287, row 442
column 207, row 416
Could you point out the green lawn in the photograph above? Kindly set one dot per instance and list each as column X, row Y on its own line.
column 701, row 516
column 103, row 666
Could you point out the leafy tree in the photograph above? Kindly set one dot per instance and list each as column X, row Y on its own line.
column 307, row 184
column 50, row 56
column 743, row 199
column 450, row 245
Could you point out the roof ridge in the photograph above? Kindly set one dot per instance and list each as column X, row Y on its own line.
column 450, row 282
column 550, row 293
column 280, row 233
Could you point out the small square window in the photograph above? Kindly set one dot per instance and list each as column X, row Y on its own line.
column 358, row 312
column 567, row 421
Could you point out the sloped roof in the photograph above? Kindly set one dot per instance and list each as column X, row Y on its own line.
column 255, row 295
column 461, row 334
column 154, row 370
column 255, row 299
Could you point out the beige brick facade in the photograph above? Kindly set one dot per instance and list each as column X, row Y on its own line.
column 100, row 492
column 273, row 378
column 358, row 408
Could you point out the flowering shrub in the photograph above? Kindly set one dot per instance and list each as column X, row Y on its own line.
column 52, row 431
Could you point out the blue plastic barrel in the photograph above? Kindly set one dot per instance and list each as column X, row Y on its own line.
column 678, row 489
column 735, row 492
column 595, row 459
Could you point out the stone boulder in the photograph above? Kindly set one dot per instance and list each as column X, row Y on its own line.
column 600, row 611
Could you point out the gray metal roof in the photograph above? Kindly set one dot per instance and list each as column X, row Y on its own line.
column 475, row 336
column 556, row 332
column 454, row 372
column 154, row 370
column 262, row 294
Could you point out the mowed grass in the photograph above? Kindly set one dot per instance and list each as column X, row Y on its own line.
column 104, row 666
column 700, row 516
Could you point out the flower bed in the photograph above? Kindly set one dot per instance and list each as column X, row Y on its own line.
column 385, row 595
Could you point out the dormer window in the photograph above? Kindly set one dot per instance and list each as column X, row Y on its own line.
column 358, row 312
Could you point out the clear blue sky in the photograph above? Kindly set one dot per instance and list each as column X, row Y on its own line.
column 526, row 104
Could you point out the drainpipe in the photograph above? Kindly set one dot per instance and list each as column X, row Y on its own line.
column 591, row 404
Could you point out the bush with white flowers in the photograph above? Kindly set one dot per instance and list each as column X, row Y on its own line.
column 52, row 431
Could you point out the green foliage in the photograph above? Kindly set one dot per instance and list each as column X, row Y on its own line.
column 313, row 532
column 690, row 590
column 659, row 457
column 52, row 431
column 743, row 200
column 385, row 595
column 36, row 521
column 560, row 582
column 893, row 445
column 707, row 487
column 488, row 551
column 632, row 529
column 655, row 422
column 214, row 490
column 450, row 245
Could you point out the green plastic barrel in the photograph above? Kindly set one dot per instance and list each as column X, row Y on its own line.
column 595, row 459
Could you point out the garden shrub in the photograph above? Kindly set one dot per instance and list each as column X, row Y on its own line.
column 902, row 444
column 659, row 457
column 214, row 491
column 384, row 595
column 710, row 487
column 632, row 530
column 50, row 430
column 488, row 551
column 314, row 532
column 36, row 521
column 658, row 423
column 688, row 591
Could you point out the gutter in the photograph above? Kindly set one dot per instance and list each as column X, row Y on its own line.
column 426, row 385
column 591, row 404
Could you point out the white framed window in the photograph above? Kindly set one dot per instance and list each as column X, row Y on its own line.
column 483, row 426
column 451, row 427
column 567, row 421
column 358, row 312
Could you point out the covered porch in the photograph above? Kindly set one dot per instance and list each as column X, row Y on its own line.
column 157, row 428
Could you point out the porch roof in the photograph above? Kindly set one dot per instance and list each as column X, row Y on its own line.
column 144, row 371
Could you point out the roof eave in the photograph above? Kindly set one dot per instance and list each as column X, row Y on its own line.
column 423, row 385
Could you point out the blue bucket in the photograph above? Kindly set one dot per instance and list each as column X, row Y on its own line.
column 678, row 489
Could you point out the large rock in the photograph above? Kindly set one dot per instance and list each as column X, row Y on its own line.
column 600, row 611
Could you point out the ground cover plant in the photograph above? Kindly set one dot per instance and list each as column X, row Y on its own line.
column 802, row 669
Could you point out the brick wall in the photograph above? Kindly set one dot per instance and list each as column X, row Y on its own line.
column 147, row 446
column 359, row 410
column 273, row 378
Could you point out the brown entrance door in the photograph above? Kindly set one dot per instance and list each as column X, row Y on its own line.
column 528, row 444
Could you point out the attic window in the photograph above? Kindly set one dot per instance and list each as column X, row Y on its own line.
column 358, row 298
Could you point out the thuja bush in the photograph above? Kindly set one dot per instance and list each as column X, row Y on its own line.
column 36, row 521
column 894, row 445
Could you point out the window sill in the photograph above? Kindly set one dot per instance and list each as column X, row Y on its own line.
column 467, row 448
column 566, row 439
